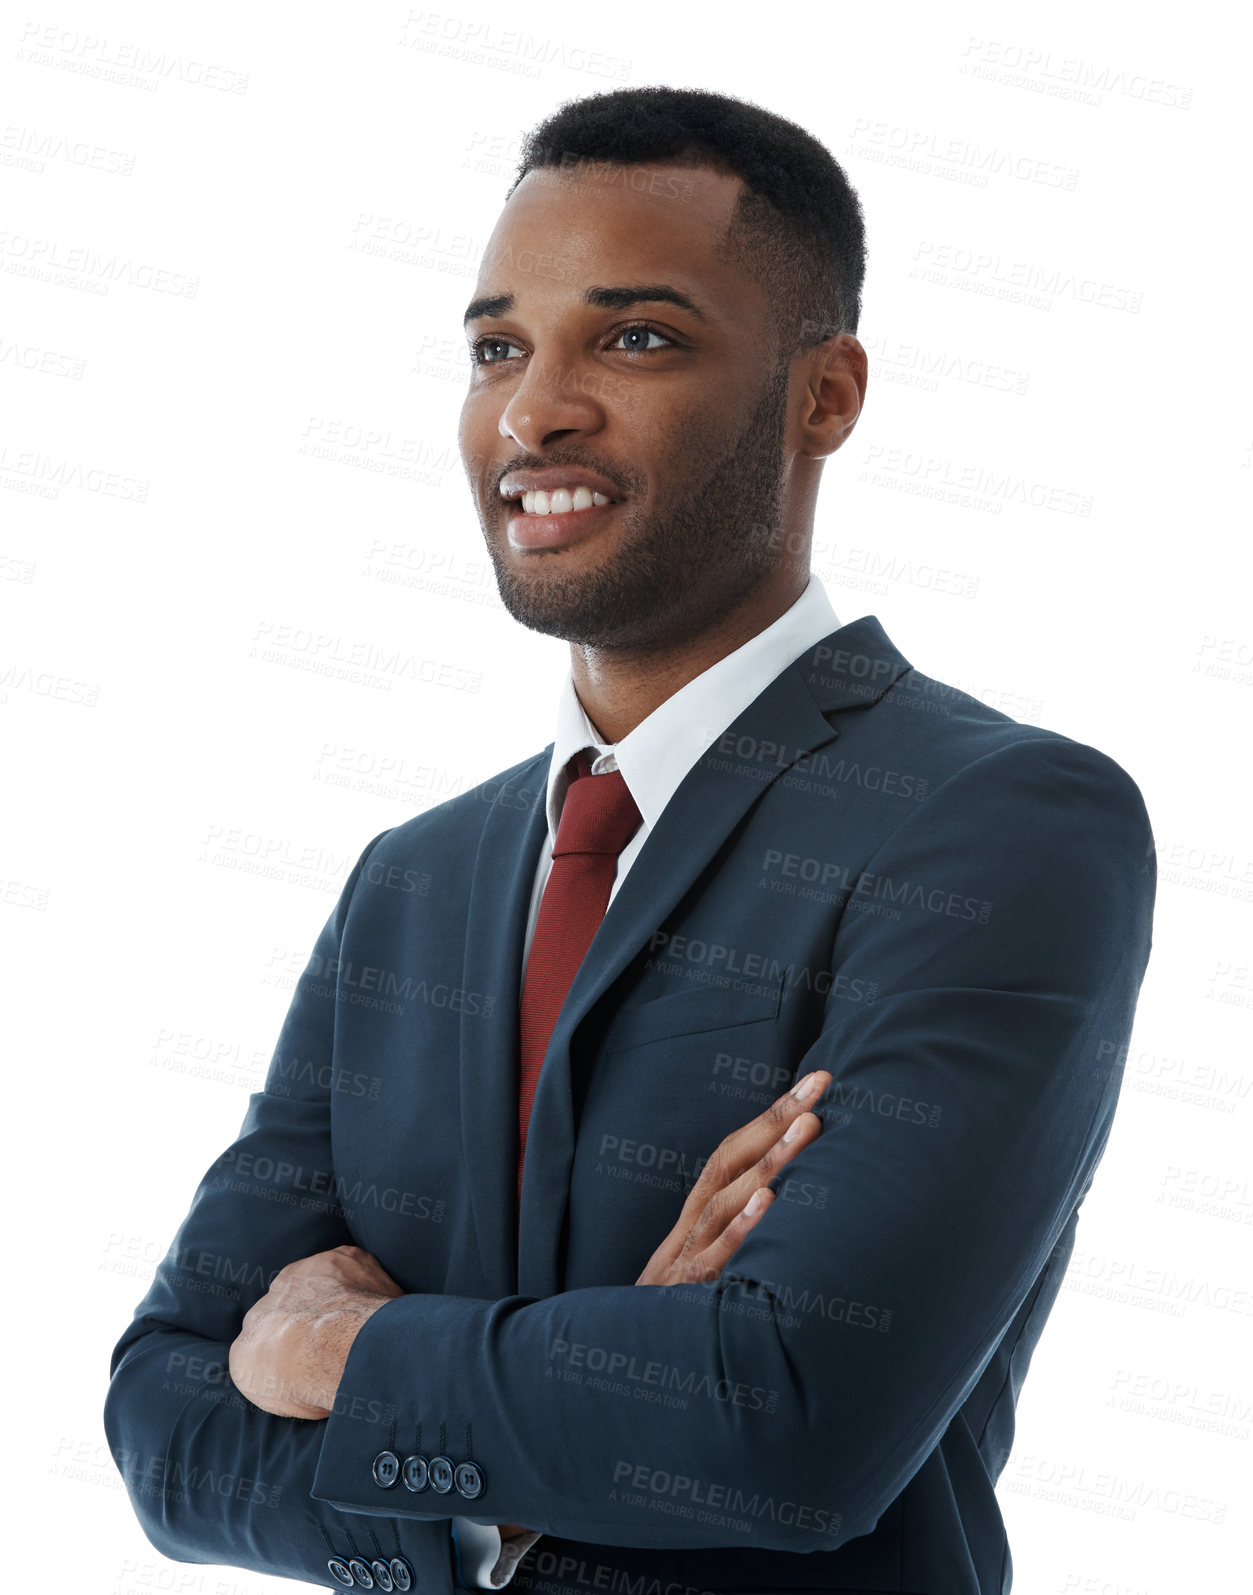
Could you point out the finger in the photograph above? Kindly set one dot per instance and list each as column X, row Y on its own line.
column 724, row 1205
column 742, row 1148
column 705, row 1213
column 709, row 1263
column 803, row 1130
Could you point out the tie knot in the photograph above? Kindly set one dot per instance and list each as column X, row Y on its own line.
column 598, row 815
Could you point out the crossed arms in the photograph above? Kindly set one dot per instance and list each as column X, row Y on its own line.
column 1008, row 1026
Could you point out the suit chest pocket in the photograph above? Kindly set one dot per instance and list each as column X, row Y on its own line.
column 694, row 1012
column 706, row 1061
column 665, row 1081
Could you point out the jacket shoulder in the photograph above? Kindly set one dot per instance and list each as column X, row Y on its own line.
column 452, row 829
column 958, row 732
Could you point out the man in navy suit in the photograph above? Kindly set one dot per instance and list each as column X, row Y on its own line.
column 729, row 1338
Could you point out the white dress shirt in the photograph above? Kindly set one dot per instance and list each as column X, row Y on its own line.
column 653, row 758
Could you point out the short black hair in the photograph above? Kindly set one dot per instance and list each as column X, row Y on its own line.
column 797, row 229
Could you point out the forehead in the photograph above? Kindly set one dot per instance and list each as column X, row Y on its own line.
column 564, row 228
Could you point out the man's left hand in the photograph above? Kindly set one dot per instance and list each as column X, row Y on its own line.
column 289, row 1355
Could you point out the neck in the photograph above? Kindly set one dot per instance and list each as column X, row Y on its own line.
column 620, row 687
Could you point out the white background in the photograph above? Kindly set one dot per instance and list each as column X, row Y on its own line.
column 164, row 511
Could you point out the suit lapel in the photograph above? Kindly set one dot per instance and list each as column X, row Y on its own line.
column 515, row 828
column 851, row 668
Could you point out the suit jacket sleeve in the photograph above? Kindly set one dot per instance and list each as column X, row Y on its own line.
column 212, row 1477
column 870, row 1316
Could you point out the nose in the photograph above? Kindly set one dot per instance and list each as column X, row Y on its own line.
column 550, row 402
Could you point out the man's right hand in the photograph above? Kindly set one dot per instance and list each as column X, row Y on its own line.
column 718, row 1212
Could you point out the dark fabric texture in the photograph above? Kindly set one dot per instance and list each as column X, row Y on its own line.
column 871, row 873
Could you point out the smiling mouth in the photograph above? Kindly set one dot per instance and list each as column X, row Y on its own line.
column 529, row 529
column 562, row 501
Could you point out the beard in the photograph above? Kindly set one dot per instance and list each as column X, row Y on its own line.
column 682, row 566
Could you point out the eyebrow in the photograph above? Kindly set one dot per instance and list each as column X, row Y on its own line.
column 597, row 299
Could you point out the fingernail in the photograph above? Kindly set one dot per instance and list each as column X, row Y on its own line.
column 801, row 1086
column 756, row 1201
column 793, row 1129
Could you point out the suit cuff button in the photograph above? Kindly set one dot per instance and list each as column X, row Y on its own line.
column 469, row 1479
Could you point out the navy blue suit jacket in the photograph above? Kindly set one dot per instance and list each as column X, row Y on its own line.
column 869, row 873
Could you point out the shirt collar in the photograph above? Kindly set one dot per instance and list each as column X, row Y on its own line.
column 659, row 752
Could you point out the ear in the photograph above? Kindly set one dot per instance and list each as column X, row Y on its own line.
column 833, row 379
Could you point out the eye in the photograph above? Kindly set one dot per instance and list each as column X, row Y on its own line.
column 481, row 344
column 480, row 357
column 651, row 332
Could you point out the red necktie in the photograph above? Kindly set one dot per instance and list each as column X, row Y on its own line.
column 598, row 819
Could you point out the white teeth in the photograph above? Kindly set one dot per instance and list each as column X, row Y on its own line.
column 561, row 501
